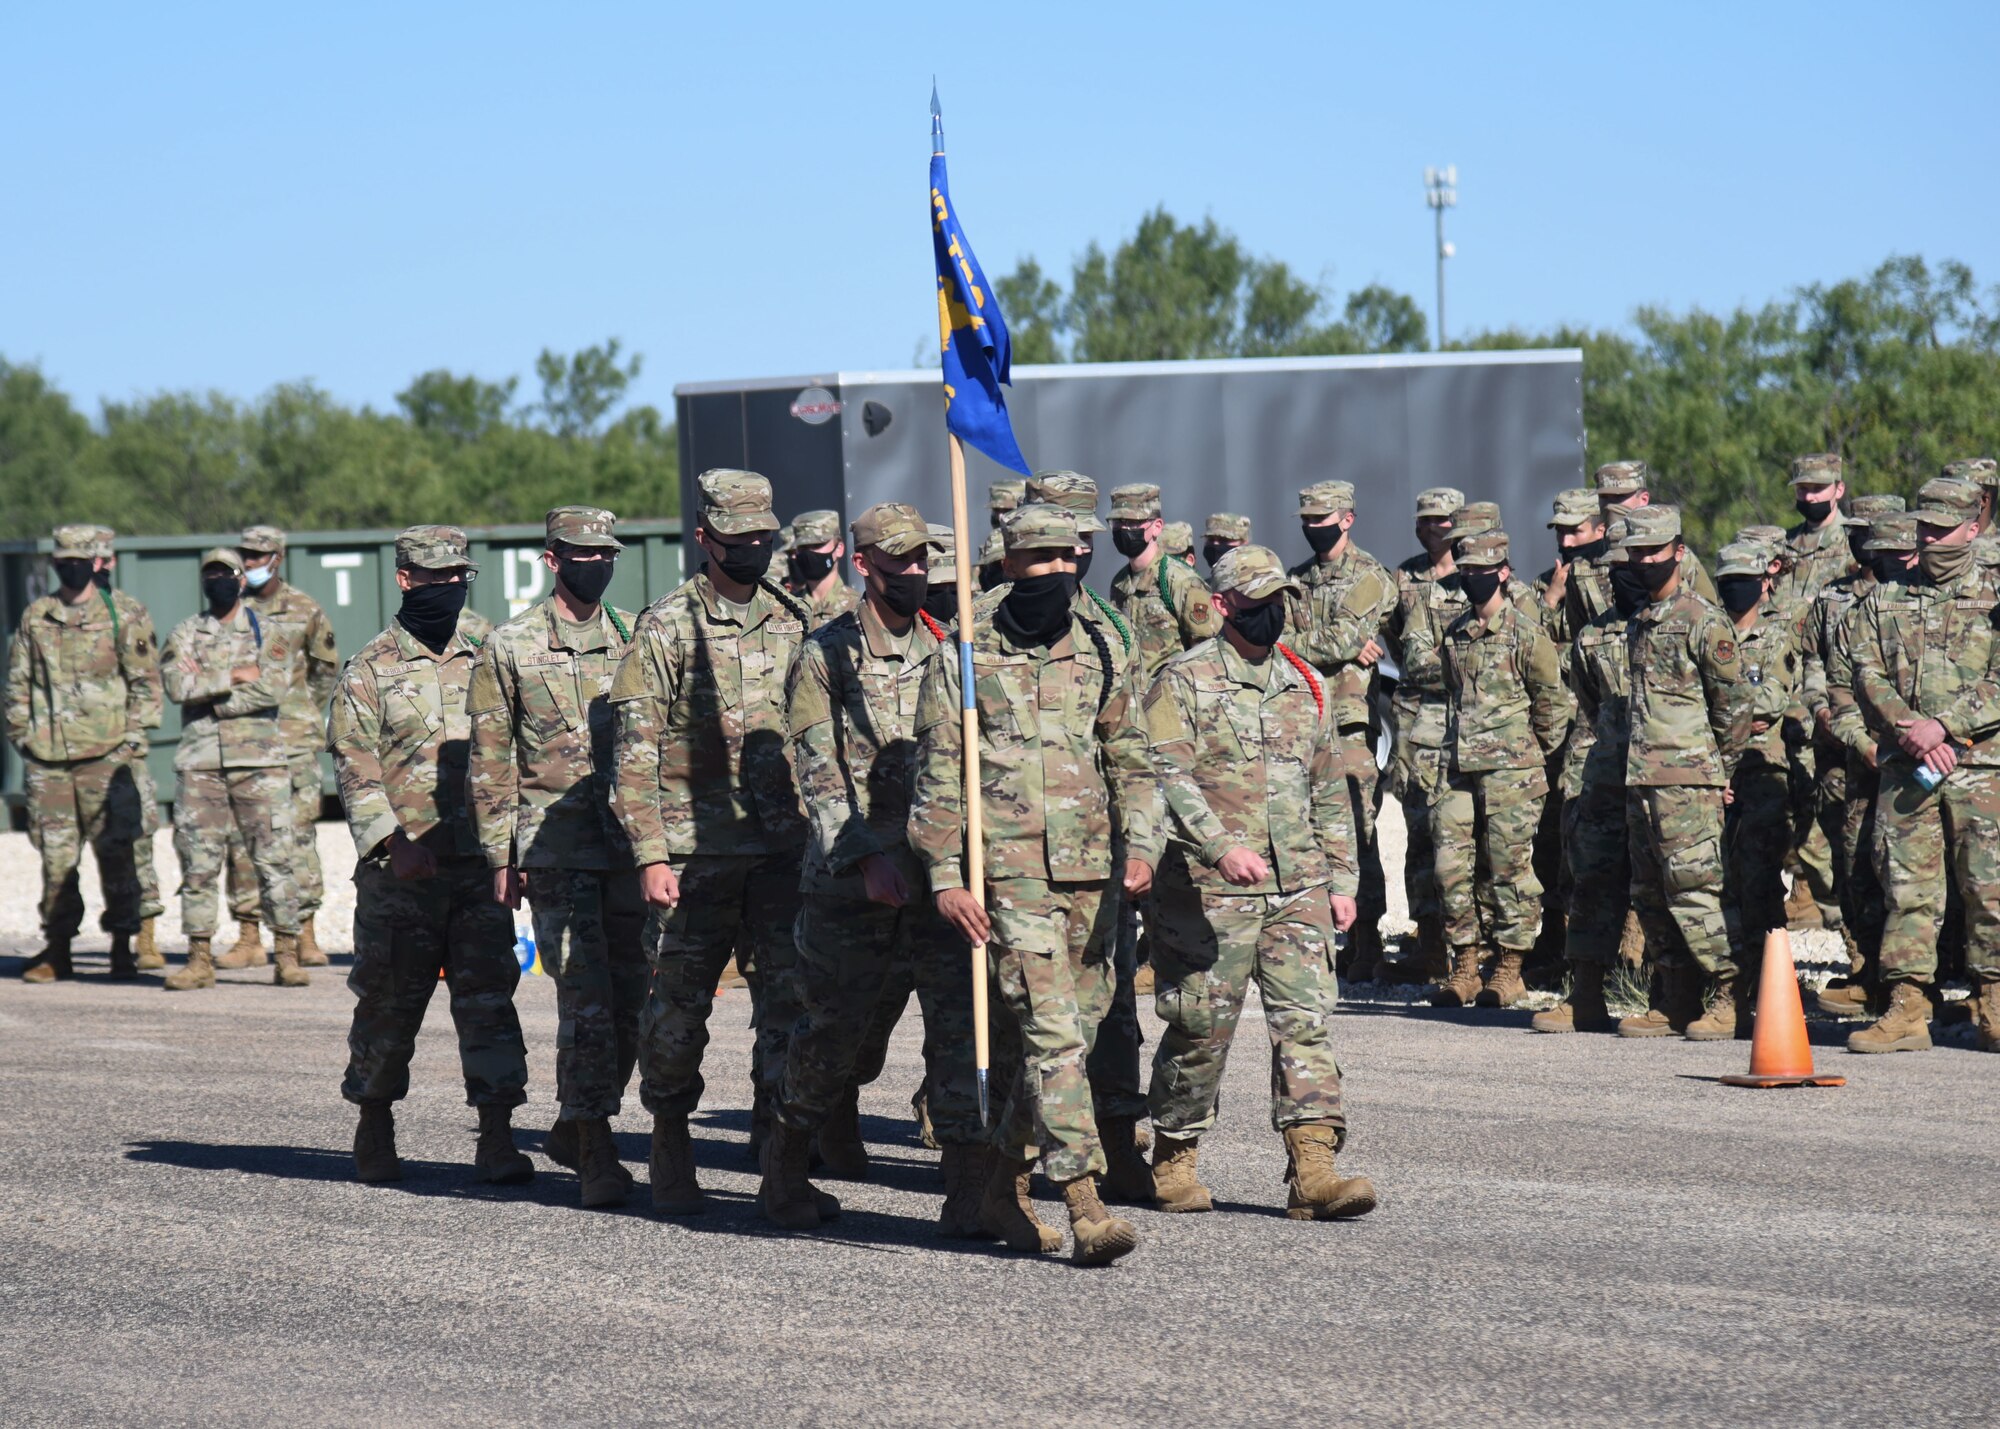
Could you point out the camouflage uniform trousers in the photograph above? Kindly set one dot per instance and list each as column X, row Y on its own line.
column 1925, row 841
column 1113, row 1067
column 1598, row 853
column 1364, row 794
column 1862, row 890
column 1675, row 836
column 256, row 804
column 69, row 902
column 1482, row 830
column 726, row 900
column 590, row 934
column 1211, row 947
column 1551, row 867
column 1419, row 776
column 405, row 933
column 1051, row 959
column 1815, row 848
column 94, row 801
column 1756, row 838
column 858, row 963
column 305, row 857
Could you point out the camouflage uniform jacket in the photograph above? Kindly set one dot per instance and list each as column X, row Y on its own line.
column 1769, row 654
column 81, row 680
column 1423, row 614
column 1824, row 619
column 1348, row 602
column 1820, row 555
column 1504, row 691
column 290, row 612
column 1247, row 761
column 851, row 700
column 1690, row 709
column 542, row 736
column 700, row 705
column 1600, row 678
column 1589, row 593
column 1850, row 729
column 840, row 598
column 474, row 627
column 1926, row 651
column 1168, row 609
column 400, row 738
column 1062, row 761
column 223, row 725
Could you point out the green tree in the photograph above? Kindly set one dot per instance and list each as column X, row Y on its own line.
column 43, row 440
column 580, row 390
column 461, row 408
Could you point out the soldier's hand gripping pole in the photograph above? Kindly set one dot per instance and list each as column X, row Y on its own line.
column 975, row 830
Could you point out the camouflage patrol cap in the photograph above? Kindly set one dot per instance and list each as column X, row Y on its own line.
column 262, row 541
column 1771, row 541
column 1947, row 501
column 1253, row 571
column 106, row 540
column 1864, row 509
column 943, row 565
column 1818, row 469
column 433, row 548
column 815, row 528
column 1326, row 498
column 1071, row 490
column 581, row 526
column 736, row 503
column 992, row 549
column 1650, row 526
column 893, row 527
column 1040, row 526
column 1892, row 531
column 1621, row 478
column 1743, row 558
column 1615, row 531
column 1139, row 501
column 77, row 541
column 1440, row 501
column 222, row 556
column 786, row 540
column 1003, row 496
column 1225, row 526
column 1769, row 535
column 1981, row 469
column 1473, row 518
column 1574, row 507
column 1483, row 550
column 1177, row 538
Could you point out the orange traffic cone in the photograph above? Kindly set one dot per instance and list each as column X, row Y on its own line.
column 1780, row 1055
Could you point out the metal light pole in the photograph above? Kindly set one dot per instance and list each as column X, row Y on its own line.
column 1441, row 193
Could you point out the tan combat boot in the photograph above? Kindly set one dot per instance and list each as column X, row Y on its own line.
column 1099, row 1237
column 248, row 951
column 603, row 1179
column 1674, row 1004
column 786, row 1198
column 1717, row 1022
column 1144, row 980
column 1463, row 985
column 497, row 1159
column 147, row 948
column 1314, row 1190
column 285, row 971
column 920, row 1107
column 965, row 1169
column 1905, row 1027
column 123, row 969
column 1986, row 1014
column 843, row 1155
column 375, row 1145
column 1848, row 1001
column 1127, row 1177
column 1503, row 986
column 1632, row 941
column 1007, row 1211
column 198, row 972
column 1176, row 1187
column 1585, row 1010
column 51, row 963
column 561, row 1147
column 311, row 955
column 675, row 1190
column 1801, row 911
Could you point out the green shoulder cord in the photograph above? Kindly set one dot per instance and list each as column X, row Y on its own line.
column 1117, row 620
column 618, row 625
column 1166, row 586
column 111, row 607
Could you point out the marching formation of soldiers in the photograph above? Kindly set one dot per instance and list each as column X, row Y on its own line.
column 1615, row 765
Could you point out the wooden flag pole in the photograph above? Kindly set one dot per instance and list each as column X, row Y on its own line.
column 975, row 823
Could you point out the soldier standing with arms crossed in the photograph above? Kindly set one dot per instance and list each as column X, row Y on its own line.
column 423, row 897
column 540, row 800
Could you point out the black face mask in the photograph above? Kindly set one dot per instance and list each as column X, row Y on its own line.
column 74, row 573
column 585, row 580
column 905, row 594
column 101, row 579
column 430, row 613
column 1213, row 551
column 221, row 592
column 1740, row 593
column 1480, row 586
column 746, row 563
column 1813, row 511
column 1130, row 540
column 1890, row 570
column 1855, row 541
column 1083, row 562
column 1629, row 591
column 1261, row 624
column 1037, row 609
column 941, row 604
column 1656, row 573
column 809, row 567
column 1322, row 538
column 991, row 576
column 1588, row 551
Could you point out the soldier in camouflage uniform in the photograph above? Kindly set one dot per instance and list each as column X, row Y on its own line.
column 992, row 553
column 1506, row 713
column 1923, row 658
column 1689, row 721
column 1166, row 606
column 1003, row 498
column 424, row 911
column 1345, row 599
column 815, row 566
column 82, row 690
column 1223, row 531
column 281, row 606
column 706, row 796
column 540, row 801
column 1177, row 540
column 1262, row 868
column 228, row 674
column 1072, row 822
column 1622, row 485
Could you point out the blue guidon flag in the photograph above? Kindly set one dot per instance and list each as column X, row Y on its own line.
column 971, row 333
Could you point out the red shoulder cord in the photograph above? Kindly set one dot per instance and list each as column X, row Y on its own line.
column 1312, row 680
column 934, row 628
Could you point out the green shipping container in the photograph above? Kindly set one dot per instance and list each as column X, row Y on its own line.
column 351, row 573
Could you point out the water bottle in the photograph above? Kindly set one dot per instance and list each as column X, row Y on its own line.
column 1929, row 777
column 524, row 945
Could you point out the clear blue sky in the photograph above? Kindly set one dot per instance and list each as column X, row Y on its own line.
column 227, row 197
